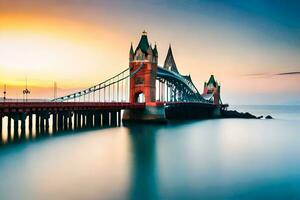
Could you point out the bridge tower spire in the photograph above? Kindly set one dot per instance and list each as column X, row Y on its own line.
column 170, row 61
column 212, row 91
column 142, row 84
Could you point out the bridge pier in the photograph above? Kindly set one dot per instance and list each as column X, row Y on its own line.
column 216, row 112
column 1, row 127
column 191, row 111
column 113, row 118
column 37, row 123
column 82, row 120
column 30, row 124
column 54, row 122
column 85, row 119
column 60, row 121
column 97, row 119
column 42, row 125
column 9, row 127
column 89, row 119
column 70, row 124
column 105, row 118
column 154, row 114
column 93, row 115
column 47, row 118
column 16, row 127
column 119, row 117
column 23, row 125
column 65, row 121
column 79, row 120
column 75, row 120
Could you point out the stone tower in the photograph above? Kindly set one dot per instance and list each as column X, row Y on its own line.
column 142, row 84
column 212, row 91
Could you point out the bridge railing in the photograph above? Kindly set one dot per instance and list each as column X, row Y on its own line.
column 2, row 100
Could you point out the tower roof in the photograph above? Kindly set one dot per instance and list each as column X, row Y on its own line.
column 143, row 44
column 131, row 49
column 170, row 61
column 212, row 80
column 155, row 52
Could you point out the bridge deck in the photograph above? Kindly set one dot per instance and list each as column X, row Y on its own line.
column 8, row 107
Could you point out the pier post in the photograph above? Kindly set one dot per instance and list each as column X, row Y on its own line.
column 65, row 122
column 93, row 115
column 47, row 118
column 113, row 118
column 9, row 127
column 119, row 117
column 79, row 120
column 70, row 124
column 30, row 123
column 37, row 123
column 23, row 128
column 75, row 120
column 1, row 127
column 16, row 127
column 84, row 120
column 54, row 122
column 105, row 118
column 90, row 119
column 97, row 120
column 42, row 123
column 60, row 121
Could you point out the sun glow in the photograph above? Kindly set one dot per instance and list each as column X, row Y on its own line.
column 48, row 49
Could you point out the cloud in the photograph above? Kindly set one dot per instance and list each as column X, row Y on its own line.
column 287, row 73
column 256, row 74
column 263, row 75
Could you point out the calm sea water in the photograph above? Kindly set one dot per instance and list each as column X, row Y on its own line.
column 207, row 159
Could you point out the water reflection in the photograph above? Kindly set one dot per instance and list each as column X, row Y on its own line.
column 144, row 180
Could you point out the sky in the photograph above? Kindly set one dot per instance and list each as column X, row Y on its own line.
column 252, row 47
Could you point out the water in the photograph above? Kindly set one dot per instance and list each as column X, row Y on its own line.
column 207, row 159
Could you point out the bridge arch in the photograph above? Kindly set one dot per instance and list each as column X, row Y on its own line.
column 139, row 97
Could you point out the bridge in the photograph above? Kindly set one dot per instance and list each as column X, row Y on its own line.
column 144, row 91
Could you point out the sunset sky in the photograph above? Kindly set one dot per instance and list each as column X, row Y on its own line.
column 252, row 47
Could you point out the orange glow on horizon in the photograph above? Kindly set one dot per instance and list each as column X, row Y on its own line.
column 49, row 26
column 47, row 49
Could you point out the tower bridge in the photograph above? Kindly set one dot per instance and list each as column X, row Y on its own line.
column 145, row 91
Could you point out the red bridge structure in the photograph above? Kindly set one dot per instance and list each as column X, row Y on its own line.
column 144, row 91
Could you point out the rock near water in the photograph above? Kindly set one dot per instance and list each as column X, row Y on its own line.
column 236, row 114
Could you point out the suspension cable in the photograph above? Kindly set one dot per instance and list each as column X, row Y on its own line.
column 101, row 85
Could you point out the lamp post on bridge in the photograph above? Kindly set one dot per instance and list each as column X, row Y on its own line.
column 26, row 92
column 4, row 93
